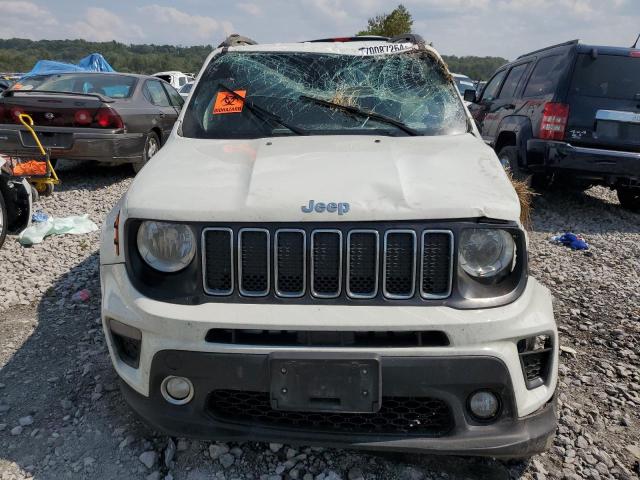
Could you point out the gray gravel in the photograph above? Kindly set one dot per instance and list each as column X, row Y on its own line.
column 61, row 415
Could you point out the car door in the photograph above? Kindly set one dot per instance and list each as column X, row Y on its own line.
column 156, row 94
column 175, row 98
column 505, row 103
column 481, row 111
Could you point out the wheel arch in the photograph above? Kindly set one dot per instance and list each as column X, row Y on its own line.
column 515, row 131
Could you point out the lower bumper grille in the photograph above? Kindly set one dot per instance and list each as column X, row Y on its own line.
column 398, row 415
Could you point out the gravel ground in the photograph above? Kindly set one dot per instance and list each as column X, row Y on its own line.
column 61, row 415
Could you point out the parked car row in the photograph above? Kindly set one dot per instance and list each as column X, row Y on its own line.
column 569, row 113
column 107, row 117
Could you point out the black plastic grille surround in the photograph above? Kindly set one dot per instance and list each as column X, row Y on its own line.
column 290, row 263
column 326, row 260
column 218, row 261
column 437, row 256
column 254, row 261
column 363, row 248
column 397, row 415
column 399, row 263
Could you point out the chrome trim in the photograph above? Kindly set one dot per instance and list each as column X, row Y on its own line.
column 618, row 116
column 377, row 266
column 429, row 296
column 304, row 263
column 313, row 292
column 169, row 398
column 243, row 292
column 384, row 266
column 207, row 290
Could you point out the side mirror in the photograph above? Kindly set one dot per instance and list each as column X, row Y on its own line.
column 470, row 96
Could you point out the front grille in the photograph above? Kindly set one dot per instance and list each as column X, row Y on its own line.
column 437, row 258
column 398, row 415
column 399, row 263
column 253, row 262
column 359, row 264
column 326, row 263
column 218, row 260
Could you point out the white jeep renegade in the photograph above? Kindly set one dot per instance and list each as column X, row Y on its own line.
column 326, row 252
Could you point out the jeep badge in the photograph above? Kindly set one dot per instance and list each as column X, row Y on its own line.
column 331, row 207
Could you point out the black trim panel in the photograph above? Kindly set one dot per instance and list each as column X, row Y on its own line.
column 186, row 287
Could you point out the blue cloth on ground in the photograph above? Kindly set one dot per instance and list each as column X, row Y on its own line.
column 571, row 240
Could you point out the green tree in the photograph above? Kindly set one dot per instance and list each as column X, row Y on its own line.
column 397, row 22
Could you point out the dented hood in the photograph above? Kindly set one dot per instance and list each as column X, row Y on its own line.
column 269, row 180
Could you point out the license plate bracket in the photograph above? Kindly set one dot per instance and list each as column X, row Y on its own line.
column 321, row 383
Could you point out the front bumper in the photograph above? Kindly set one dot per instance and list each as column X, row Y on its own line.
column 482, row 354
column 595, row 163
column 75, row 144
column 403, row 377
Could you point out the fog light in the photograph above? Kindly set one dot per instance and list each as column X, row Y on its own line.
column 177, row 390
column 484, row 405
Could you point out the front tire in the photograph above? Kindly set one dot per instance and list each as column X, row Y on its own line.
column 508, row 157
column 629, row 198
column 151, row 147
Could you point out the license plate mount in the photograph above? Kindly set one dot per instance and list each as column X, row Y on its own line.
column 321, row 383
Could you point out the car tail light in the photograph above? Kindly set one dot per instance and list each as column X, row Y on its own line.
column 554, row 121
column 108, row 118
column 82, row 117
column 635, row 53
column 15, row 114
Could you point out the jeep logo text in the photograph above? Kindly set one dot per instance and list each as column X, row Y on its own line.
column 330, row 207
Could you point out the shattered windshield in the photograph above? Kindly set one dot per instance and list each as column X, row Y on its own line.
column 262, row 94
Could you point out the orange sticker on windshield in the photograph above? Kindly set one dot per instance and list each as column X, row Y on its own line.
column 227, row 102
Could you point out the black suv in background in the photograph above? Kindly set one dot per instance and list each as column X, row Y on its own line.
column 569, row 113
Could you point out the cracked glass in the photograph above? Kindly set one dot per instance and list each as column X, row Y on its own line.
column 411, row 89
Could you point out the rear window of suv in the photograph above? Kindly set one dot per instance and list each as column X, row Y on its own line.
column 545, row 76
column 608, row 76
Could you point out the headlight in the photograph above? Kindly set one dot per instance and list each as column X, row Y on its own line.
column 485, row 253
column 167, row 247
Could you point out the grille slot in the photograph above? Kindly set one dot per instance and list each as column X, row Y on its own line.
column 326, row 263
column 362, row 263
column 437, row 264
column 311, row 338
column 290, row 263
column 397, row 415
column 253, row 262
column 399, row 264
column 217, row 261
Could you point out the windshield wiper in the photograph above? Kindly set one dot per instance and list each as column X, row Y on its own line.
column 261, row 113
column 362, row 113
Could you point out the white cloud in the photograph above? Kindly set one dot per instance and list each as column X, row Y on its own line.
column 102, row 25
column 333, row 9
column 250, row 8
column 20, row 19
column 200, row 27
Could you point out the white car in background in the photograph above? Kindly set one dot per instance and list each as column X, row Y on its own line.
column 176, row 79
column 185, row 90
column 325, row 251
column 463, row 83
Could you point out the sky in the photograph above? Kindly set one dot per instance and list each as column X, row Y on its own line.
column 505, row 28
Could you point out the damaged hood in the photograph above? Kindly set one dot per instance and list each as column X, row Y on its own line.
column 270, row 180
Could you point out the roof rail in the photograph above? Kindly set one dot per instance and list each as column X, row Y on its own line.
column 235, row 40
column 571, row 42
column 357, row 38
column 407, row 37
